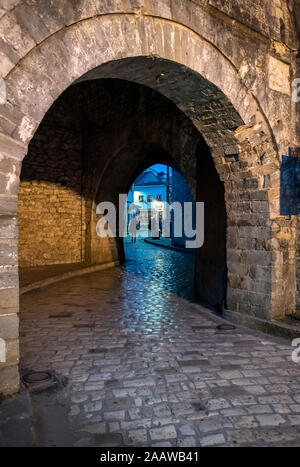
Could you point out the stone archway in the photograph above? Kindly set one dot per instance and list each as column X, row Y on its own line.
column 168, row 56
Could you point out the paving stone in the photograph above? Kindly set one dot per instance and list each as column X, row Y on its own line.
column 275, row 435
column 187, row 430
column 230, row 374
column 137, row 436
column 255, row 389
column 227, row 390
column 165, row 421
column 93, row 386
column 214, row 424
column 143, row 422
column 294, row 419
column 121, row 403
column 275, row 399
column 295, row 408
column 96, row 396
column 161, row 411
column 243, row 400
column 166, row 432
column 116, row 415
column 216, row 404
column 233, row 412
column 187, row 442
column 259, row 409
column 212, row 440
column 281, row 408
column 78, row 398
column 270, row 420
column 175, row 378
column 240, row 437
column 244, row 422
column 93, row 406
column 140, row 382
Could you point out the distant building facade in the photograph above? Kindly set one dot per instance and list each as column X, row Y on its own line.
column 149, row 193
column 151, row 190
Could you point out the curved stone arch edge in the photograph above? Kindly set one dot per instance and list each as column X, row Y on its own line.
column 254, row 105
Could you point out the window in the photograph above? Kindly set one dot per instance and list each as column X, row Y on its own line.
column 158, row 198
column 141, row 198
column 149, row 198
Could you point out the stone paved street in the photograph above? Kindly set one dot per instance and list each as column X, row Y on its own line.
column 145, row 367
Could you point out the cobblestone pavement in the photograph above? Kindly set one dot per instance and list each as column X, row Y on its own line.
column 147, row 368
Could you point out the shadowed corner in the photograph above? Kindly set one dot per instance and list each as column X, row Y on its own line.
column 290, row 183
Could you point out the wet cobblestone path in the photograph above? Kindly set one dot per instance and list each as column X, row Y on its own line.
column 147, row 368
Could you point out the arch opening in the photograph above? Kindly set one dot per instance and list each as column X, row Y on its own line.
column 88, row 149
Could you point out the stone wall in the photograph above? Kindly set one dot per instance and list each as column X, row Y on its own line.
column 259, row 46
column 51, row 208
column 260, row 248
column 270, row 18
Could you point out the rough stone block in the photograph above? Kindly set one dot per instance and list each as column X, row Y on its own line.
column 9, row 326
column 11, row 353
column 279, row 76
column 9, row 380
column 9, row 300
column 14, row 35
column 9, row 277
column 166, row 432
column 11, row 148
